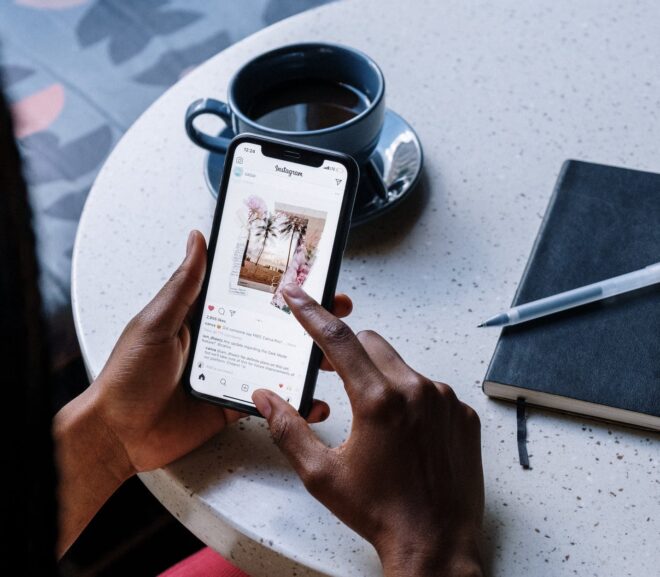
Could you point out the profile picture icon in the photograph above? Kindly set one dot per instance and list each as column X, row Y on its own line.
column 238, row 171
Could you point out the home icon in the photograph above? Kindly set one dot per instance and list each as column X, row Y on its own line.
column 201, row 377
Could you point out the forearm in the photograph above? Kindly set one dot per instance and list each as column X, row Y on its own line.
column 90, row 466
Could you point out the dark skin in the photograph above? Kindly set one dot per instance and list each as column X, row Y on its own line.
column 409, row 477
column 136, row 416
column 152, row 351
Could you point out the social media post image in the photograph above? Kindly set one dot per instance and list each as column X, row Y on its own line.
column 280, row 248
column 277, row 228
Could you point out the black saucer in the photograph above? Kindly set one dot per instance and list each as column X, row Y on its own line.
column 389, row 177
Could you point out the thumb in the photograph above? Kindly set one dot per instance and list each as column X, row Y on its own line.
column 168, row 309
column 293, row 436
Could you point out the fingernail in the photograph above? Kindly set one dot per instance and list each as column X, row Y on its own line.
column 293, row 291
column 262, row 402
column 191, row 241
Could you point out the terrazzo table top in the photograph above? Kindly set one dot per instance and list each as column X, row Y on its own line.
column 500, row 95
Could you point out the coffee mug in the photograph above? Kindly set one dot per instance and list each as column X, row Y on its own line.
column 317, row 94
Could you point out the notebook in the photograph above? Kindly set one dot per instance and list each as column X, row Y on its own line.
column 601, row 360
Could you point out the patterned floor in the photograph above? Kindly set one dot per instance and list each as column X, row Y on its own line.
column 78, row 73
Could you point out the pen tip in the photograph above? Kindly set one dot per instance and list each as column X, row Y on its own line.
column 481, row 325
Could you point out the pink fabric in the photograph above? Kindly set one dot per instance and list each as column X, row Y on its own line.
column 204, row 563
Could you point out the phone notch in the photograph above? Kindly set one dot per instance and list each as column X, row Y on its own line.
column 302, row 155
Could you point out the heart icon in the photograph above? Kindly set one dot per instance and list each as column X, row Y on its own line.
column 281, row 385
column 211, row 307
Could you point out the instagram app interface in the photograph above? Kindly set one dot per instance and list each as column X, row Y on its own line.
column 278, row 227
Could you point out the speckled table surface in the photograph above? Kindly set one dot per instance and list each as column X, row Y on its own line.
column 500, row 94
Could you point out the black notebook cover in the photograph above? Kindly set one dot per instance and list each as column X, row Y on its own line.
column 601, row 359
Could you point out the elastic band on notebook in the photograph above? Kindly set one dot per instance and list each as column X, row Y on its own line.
column 523, row 457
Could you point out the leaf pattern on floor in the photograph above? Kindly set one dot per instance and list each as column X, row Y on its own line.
column 48, row 159
column 172, row 65
column 129, row 26
column 109, row 60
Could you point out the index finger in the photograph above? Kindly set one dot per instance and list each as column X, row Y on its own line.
column 337, row 341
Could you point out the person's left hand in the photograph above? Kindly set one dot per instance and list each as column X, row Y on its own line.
column 151, row 418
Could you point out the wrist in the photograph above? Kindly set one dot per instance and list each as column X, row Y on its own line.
column 90, row 439
column 90, row 466
column 457, row 556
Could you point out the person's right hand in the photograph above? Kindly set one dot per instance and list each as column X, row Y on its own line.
column 409, row 477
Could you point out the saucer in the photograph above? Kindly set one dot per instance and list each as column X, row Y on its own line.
column 386, row 180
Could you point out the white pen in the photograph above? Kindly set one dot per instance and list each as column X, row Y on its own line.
column 576, row 297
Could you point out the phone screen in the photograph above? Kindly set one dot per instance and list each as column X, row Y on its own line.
column 278, row 226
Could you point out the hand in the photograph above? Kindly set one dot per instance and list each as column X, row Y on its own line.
column 138, row 397
column 409, row 477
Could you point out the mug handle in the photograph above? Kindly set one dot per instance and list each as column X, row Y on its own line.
column 208, row 106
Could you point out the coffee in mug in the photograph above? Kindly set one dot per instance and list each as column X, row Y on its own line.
column 318, row 94
column 307, row 104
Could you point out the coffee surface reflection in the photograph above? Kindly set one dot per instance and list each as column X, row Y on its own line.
column 307, row 104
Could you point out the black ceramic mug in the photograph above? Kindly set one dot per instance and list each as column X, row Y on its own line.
column 317, row 94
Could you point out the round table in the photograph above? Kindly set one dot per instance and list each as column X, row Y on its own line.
column 500, row 95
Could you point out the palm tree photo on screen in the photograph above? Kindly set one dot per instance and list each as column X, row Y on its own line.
column 280, row 246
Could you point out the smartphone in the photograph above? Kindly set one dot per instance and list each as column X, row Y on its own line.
column 283, row 216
